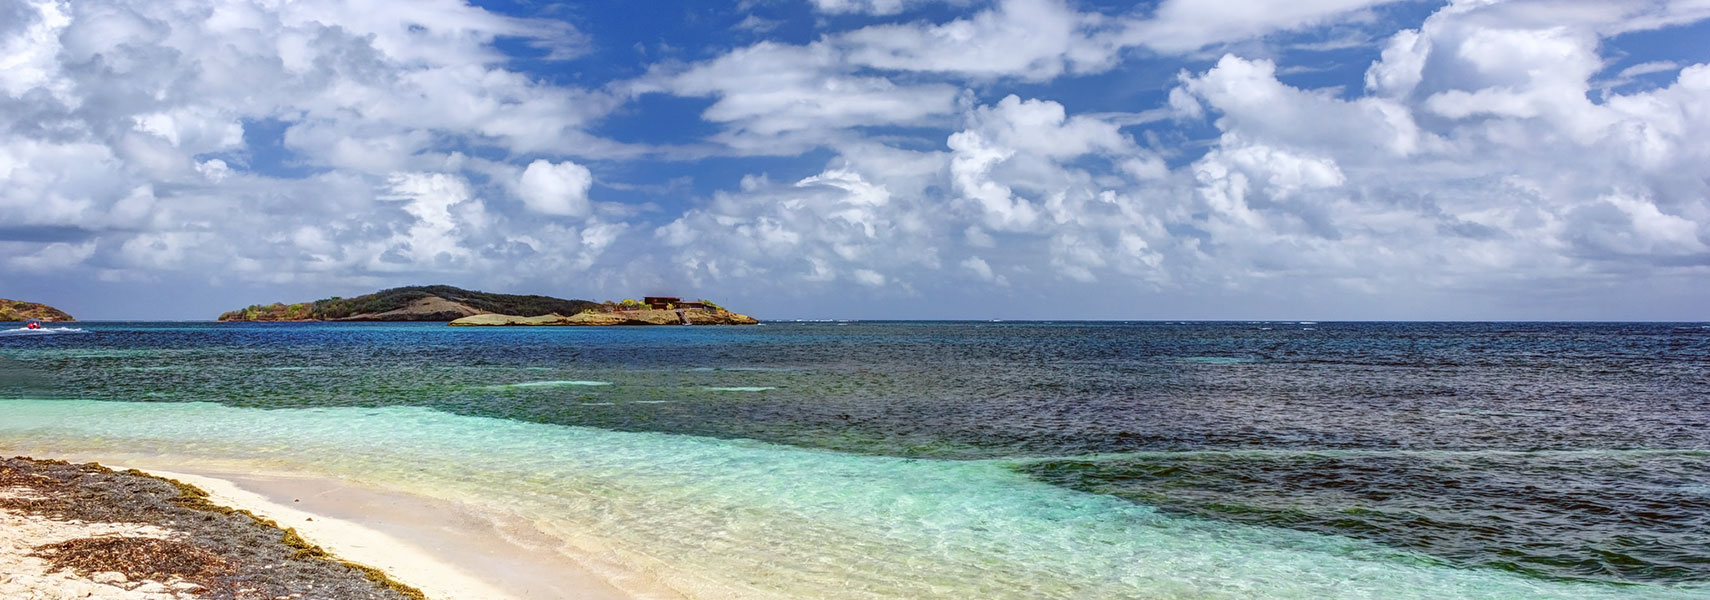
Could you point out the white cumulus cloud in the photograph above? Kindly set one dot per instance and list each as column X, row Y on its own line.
column 556, row 189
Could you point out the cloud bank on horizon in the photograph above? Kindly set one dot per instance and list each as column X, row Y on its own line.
column 866, row 158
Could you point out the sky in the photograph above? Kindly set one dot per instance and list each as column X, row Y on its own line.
column 917, row 159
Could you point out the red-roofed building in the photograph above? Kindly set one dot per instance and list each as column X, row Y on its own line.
column 664, row 302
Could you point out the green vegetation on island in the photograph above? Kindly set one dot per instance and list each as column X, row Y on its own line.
column 19, row 310
column 413, row 303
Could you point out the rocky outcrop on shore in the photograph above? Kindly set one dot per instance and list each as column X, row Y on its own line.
column 86, row 531
column 19, row 310
column 693, row 316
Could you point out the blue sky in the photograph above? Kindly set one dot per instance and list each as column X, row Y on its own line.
column 1210, row 159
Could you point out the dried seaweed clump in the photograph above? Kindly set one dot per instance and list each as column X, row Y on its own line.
column 35, row 493
column 137, row 558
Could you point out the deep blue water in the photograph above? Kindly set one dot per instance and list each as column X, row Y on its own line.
column 1570, row 452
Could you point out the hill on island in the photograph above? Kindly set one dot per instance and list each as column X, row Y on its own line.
column 19, row 310
column 413, row 303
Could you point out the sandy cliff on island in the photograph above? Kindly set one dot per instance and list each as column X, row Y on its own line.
column 19, row 310
column 430, row 308
column 695, row 316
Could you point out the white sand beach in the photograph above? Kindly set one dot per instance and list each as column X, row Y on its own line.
column 444, row 549
column 24, row 575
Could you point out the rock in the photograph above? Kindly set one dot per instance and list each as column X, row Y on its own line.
column 109, row 577
column 696, row 316
column 646, row 317
column 706, row 317
column 491, row 319
column 597, row 318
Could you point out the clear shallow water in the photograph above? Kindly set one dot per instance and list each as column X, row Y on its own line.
column 1092, row 460
column 760, row 520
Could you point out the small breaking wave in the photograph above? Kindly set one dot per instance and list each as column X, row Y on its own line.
column 1217, row 360
column 741, row 369
column 555, row 383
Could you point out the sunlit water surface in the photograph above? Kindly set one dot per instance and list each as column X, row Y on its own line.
column 992, row 460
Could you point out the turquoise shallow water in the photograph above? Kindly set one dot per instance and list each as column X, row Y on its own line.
column 764, row 520
column 1074, row 460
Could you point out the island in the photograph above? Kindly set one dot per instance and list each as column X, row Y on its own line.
column 468, row 307
column 19, row 310
column 412, row 303
column 654, row 310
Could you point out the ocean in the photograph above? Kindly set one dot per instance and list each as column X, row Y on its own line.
column 1027, row 460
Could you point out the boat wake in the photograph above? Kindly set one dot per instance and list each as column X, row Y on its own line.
column 42, row 331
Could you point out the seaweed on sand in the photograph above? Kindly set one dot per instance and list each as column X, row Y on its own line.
column 137, row 558
column 245, row 556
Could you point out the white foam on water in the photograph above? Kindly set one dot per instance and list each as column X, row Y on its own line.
column 555, row 383
column 741, row 369
column 756, row 388
column 1495, row 413
column 1217, row 360
column 43, row 331
column 735, row 518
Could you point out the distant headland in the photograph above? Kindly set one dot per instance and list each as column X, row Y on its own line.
column 412, row 303
column 469, row 307
column 653, row 310
column 19, row 310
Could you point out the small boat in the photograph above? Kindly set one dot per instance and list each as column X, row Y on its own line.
column 37, row 327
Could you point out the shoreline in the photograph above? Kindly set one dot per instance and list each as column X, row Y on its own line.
column 438, row 546
column 711, row 518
